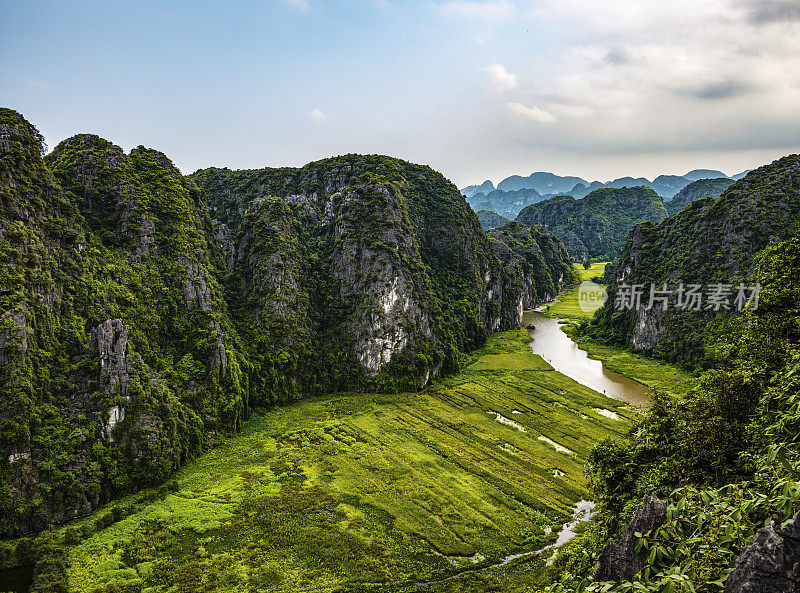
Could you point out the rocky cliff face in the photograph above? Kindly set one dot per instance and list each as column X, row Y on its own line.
column 596, row 226
column 394, row 269
column 118, row 360
column 770, row 564
column 620, row 561
column 139, row 322
column 536, row 266
column 714, row 240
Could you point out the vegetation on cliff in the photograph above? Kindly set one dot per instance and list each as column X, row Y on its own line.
column 596, row 226
column 535, row 264
column 118, row 361
column 712, row 241
column 143, row 317
column 725, row 456
column 491, row 220
column 702, row 188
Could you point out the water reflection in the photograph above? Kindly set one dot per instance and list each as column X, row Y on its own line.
column 563, row 354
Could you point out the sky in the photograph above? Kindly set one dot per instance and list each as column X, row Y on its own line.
column 477, row 89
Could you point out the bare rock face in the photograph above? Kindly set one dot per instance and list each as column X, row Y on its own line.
column 110, row 340
column 771, row 564
column 619, row 561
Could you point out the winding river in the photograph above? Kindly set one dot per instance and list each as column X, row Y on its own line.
column 558, row 349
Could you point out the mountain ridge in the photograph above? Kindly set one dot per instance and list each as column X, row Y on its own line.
column 505, row 202
column 144, row 314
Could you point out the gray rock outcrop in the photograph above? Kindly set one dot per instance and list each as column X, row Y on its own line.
column 771, row 564
column 619, row 561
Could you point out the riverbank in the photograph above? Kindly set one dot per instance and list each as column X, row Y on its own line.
column 653, row 373
column 567, row 307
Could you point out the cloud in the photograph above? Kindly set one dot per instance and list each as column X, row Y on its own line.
column 568, row 110
column 722, row 89
column 502, row 79
column 532, row 113
column 488, row 10
column 39, row 85
column 317, row 115
column 617, row 55
column 768, row 11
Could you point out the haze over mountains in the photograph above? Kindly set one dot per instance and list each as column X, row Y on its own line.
column 516, row 192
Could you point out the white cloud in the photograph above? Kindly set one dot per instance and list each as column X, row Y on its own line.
column 572, row 110
column 502, row 79
column 532, row 113
column 317, row 115
column 39, row 85
column 488, row 10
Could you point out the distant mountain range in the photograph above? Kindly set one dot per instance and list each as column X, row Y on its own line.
column 516, row 192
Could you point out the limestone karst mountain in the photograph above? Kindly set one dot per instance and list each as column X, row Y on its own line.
column 146, row 313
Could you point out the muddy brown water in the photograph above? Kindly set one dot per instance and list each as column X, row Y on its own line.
column 558, row 349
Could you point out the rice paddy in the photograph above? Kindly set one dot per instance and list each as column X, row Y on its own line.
column 365, row 492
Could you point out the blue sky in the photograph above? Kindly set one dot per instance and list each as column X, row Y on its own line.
column 476, row 88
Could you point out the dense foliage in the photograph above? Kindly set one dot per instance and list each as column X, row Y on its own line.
column 142, row 317
column 596, row 226
column 535, row 265
column 702, row 188
column 385, row 257
column 118, row 360
column 491, row 220
column 711, row 241
column 725, row 456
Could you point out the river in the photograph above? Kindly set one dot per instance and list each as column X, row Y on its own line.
column 558, row 349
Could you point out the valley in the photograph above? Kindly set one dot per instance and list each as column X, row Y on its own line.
column 364, row 490
column 317, row 379
column 433, row 296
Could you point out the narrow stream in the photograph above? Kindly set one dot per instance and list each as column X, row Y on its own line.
column 558, row 349
column 583, row 511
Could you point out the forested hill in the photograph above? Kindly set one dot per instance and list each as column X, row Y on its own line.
column 143, row 313
column 491, row 220
column 596, row 226
column 702, row 188
column 714, row 240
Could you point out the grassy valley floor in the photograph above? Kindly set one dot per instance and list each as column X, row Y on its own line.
column 356, row 492
column 567, row 306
